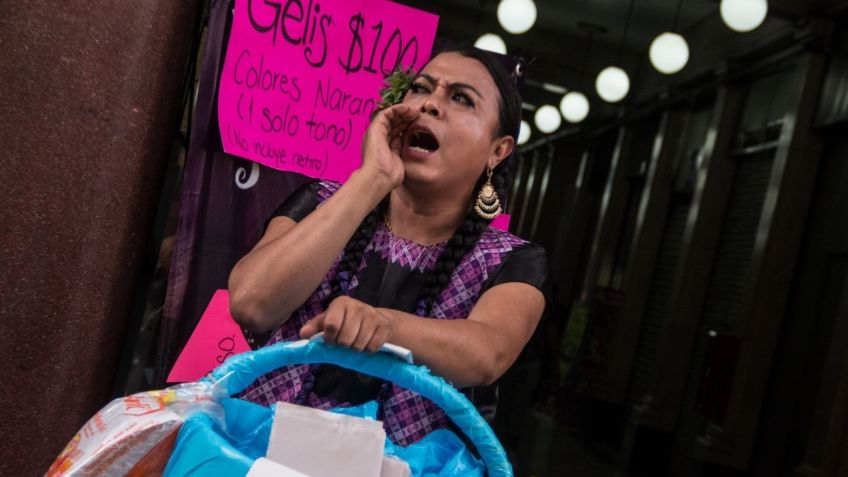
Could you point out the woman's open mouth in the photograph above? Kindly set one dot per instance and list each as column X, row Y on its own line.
column 423, row 142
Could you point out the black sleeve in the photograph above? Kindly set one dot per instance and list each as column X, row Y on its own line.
column 525, row 264
column 299, row 203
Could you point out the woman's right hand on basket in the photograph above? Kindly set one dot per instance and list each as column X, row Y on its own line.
column 383, row 142
column 351, row 323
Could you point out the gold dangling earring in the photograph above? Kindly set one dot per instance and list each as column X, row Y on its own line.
column 488, row 205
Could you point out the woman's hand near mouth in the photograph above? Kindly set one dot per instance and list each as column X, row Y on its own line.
column 286, row 266
column 383, row 143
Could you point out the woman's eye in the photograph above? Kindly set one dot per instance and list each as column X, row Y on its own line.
column 463, row 98
column 416, row 88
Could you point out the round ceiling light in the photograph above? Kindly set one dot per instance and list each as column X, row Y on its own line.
column 523, row 132
column 612, row 84
column 743, row 15
column 574, row 106
column 517, row 16
column 547, row 119
column 491, row 42
column 669, row 53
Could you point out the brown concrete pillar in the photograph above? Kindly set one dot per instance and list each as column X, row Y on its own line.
column 90, row 96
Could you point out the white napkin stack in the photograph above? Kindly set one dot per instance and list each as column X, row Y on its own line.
column 307, row 442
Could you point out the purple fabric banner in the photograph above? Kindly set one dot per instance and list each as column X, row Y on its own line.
column 224, row 204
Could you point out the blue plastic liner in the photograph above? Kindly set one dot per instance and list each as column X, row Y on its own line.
column 204, row 448
column 207, row 447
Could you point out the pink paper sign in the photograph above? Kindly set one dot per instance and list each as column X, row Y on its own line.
column 215, row 338
column 302, row 77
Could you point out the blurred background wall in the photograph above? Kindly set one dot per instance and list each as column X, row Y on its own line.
column 92, row 95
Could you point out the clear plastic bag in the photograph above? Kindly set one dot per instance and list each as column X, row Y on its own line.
column 133, row 435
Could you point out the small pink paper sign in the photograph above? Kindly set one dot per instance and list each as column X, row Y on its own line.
column 215, row 338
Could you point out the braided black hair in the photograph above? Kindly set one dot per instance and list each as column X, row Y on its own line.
column 468, row 233
column 463, row 240
column 352, row 254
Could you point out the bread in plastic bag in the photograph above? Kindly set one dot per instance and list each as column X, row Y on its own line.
column 134, row 435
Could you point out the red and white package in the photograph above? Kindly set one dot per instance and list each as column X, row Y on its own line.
column 128, row 435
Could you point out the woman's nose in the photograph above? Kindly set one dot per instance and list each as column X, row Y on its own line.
column 430, row 107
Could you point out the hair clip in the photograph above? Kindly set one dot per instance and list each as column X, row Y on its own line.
column 521, row 64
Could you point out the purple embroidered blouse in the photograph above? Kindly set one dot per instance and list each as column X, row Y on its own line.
column 391, row 275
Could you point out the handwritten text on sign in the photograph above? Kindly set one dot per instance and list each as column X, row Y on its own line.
column 215, row 338
column 302, row 77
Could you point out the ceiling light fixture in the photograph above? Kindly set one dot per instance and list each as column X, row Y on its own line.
column 554, row 88
column 743, row 15
column 547, row 119
column 669, row 51
column 524, row 133
column 612, row 82
column 574, row 106
column 491, row 42
column 516, row 16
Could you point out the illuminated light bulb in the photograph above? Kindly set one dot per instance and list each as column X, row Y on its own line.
column 743, row 15
column 574, row 106
column 516, row 16
column 523, row 132
column 491, row 42
column 669, row 53
column 547, row 119
column 612, row 84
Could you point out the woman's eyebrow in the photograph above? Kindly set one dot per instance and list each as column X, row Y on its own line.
column 457, row 85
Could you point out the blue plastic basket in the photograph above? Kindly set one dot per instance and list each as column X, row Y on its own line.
column 240, row 371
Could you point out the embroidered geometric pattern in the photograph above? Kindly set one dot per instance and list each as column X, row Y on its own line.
column 406, row 416
column 404, row 252
column 459, row 297
column 326, row 189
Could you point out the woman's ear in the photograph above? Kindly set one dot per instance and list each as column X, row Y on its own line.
column 501, row 149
